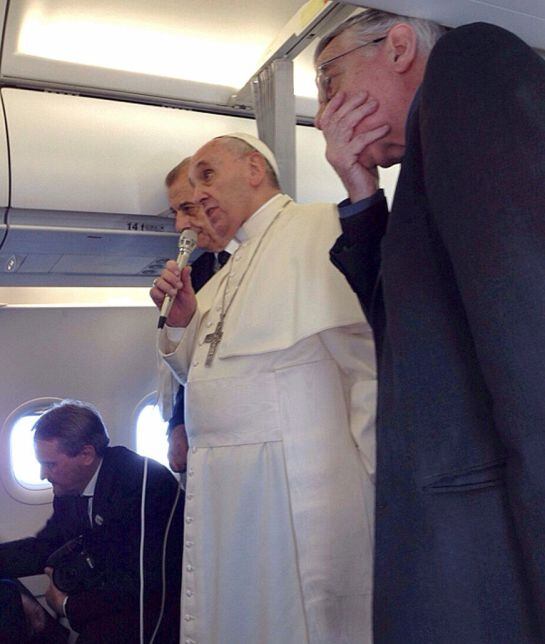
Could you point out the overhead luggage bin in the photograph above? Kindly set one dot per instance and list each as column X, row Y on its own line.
column 161, row 52
column 87, row 194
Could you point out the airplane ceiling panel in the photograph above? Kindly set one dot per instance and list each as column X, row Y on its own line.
column 526, row 18
column 191, row 50
column 93, row 155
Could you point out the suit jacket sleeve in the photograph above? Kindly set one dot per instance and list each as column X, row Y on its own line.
column 25, row 557
column 482, row 123
column 356, row 254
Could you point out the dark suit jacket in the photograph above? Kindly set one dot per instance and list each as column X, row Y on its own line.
column 110, row 611
column 459, row 317
column 202, row 270
column 13, row 628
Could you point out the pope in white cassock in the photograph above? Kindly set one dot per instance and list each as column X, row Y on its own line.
column 278, row 364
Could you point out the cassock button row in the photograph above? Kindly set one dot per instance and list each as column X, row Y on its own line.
column 190, row 472
column 190, row 642
column 189, row 593
column 189, row 520
column 209, row 323
column 189, row 568
column 189, row 497
column 196, row 363
column 188, row 544
column 194, row 450
column 189, row 618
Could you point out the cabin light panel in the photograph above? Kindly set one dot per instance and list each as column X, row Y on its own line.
column 117, row 41
column 173, row 41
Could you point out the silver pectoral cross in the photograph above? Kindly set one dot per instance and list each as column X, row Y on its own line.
column 213, row 339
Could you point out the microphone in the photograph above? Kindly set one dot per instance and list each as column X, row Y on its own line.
column 186, row 245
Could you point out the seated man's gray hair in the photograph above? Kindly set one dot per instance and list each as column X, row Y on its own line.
column 74, row 424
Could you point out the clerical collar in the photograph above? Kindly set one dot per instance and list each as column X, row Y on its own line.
column 261, row 218
column 90, row 487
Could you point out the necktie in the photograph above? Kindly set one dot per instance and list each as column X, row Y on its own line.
column 82, row 513
column 223, row 256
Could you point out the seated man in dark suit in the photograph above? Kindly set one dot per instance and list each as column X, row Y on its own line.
column 217, row 252
column 13, row 624
column 98, row 498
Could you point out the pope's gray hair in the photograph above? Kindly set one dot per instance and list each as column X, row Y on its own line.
column 373, row 22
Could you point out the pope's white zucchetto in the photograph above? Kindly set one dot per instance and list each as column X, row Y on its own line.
column 256, row 144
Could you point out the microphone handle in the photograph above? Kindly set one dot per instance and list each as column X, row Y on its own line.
column 181, row 260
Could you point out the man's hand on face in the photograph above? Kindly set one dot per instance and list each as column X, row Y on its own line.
column 343, row 147
column 53, row 596
column 178, row 286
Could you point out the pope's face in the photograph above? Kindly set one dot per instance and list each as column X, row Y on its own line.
column 220, row 180
column 191, row 215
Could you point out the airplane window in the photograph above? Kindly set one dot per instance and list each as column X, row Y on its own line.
column 151, row 439
column 25, row 467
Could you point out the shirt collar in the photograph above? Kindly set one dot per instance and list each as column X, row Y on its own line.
column 261, row 218
column 90, row 487
column 231, row 246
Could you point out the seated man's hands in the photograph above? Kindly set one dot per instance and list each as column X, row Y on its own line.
column 338, row 122
column 179, row 287
column 53, row 596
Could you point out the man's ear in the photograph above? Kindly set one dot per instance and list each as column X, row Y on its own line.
column 402, row 47
column 88, row 454
column 256, row 168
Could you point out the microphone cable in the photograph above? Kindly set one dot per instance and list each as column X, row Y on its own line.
column 142, row 535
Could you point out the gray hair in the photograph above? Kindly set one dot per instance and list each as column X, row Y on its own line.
column 375, row 22
column 176, row 171
column 74, row 424
column 240, row 147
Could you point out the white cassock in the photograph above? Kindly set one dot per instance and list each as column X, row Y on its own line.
column 279, row 497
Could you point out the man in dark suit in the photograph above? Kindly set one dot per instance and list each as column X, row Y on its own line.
column 13, row 624
column 98, row 494
column 189, row 215
column 452, row 281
